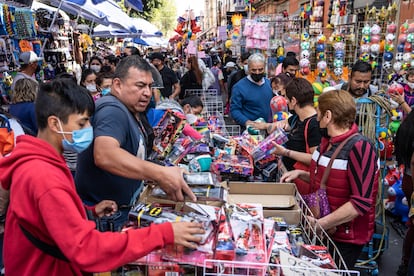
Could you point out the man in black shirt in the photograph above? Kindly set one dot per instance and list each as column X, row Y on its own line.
column 238, row 75
column 169, row 78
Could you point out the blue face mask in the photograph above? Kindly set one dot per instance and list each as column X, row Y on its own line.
column 106, row 91
column 82, row 138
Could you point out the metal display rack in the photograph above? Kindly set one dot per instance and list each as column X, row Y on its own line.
column 314, row 235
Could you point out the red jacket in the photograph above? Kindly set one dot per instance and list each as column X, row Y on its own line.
column 353, row 178
column 43, row 199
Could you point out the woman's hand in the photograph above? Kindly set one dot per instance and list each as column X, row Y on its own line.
column 399, row 98
column 106, row 208
column 280, row 150
column 290, row 175
column 259, row 125
column 282, row 124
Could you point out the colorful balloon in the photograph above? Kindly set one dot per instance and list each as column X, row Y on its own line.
column 375, row 29
column 388, row 56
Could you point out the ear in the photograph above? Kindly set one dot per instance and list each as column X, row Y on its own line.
column 53, row 123
column 186, row 108
column 116, row 83
column 328, row 115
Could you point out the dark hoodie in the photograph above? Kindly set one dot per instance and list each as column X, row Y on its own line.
column 43, row 200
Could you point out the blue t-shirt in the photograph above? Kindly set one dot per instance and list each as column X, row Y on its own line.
column 94, row 184
column 250, row 101
column 25, row 113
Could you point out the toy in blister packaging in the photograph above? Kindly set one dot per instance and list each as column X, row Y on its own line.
column 154, row 265
column 216, row 125
column 200, row 148
column 201, row 178
column 269, row 234
column 206, row 193
column 280, row 243
column 205, row 250
column 252, row 131
column 234, row 164
column 183, row 255
column 246, row 222
column 180, row 148
column 167, row 132
column 296, row 239
column 269, row 162
column 225, row 246
column 143, row 215
column 200, row 163
column 280, row 223
column 317, row 255
column 248, row 142
column 266, row 147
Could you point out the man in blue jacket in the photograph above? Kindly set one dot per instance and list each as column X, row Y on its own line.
column 251, row 96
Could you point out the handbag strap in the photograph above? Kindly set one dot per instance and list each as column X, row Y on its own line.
column 306, row 134
column 51, row 250
column 334, row 155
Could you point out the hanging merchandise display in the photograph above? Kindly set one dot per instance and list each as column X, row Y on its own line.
column 389, row 47
column 321, row 55
column 405, row 38
column 304, row 62
column 256, row 34
column 339, row 55
column 316, row 19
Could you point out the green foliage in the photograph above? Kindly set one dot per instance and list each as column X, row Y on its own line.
column 165, row 17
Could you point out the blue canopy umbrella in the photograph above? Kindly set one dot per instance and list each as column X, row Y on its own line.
column 113, row 31
column 143, row 29
column 134, row 4
column 82, row 9
column 104, row 12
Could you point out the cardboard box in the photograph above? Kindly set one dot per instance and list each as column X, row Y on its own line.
column 278, row 199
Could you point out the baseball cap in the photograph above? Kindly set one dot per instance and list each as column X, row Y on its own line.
column 157, row 55
column 230, row 64
column 28, row 57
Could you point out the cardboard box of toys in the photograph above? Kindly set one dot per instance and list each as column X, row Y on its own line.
column 277, row 199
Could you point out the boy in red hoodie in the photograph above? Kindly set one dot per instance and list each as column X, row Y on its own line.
column 45, row 210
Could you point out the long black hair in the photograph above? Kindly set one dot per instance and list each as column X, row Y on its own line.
column 404, row 141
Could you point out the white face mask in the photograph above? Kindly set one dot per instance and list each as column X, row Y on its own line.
column 410, row 84
column 91, row 87
column 96, row 68
column 246, row 68
column 191, row 118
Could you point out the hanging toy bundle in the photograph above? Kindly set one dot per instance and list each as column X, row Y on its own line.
column 304, row 62
column 339, row 47
column 389, row 47
column 321, row 55
column 365, row 44
column 375, row 45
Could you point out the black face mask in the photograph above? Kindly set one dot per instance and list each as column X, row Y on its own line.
column 256, row 77
column 324, row 132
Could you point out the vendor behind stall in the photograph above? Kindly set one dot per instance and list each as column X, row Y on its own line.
column 114, row 166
